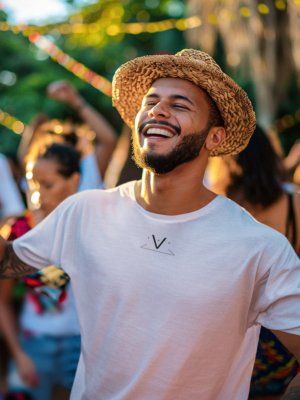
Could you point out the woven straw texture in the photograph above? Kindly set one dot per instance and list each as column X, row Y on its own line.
column 133, row 80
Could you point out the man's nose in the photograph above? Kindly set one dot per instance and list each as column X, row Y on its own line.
column 160, row 110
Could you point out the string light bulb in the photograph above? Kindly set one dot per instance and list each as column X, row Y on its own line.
column 263, row 8
column 11, row 123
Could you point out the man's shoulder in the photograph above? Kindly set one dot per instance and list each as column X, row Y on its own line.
column 242, row 224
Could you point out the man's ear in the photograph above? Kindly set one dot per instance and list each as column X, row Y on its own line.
column 74, row 180
column 215, row 137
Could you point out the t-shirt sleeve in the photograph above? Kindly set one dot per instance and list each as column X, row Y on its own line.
column 277, row 294
column 51, row 242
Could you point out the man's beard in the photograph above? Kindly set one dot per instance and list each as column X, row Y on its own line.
column 187, row 150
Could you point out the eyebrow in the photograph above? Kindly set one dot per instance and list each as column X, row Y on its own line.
column 174, row 96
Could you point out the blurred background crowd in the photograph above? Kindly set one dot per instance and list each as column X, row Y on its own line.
column 59, row 134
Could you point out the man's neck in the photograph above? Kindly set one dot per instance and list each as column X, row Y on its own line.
column 178, row 192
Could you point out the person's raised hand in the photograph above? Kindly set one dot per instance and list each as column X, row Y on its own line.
column 63, row 91
column 293, row 158
column 27, row 370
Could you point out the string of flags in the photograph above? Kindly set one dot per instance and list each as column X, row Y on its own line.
column 113, row 26
column 78, row 69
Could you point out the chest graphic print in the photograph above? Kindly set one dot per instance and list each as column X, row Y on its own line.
column 158, row 245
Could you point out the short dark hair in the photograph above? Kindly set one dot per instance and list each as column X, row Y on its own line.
column 66, row 156
column 13, row 156
column 261, row 172
column 214, row 117
column 71, row 138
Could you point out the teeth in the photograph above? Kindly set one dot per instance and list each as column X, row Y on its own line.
column 161, row 132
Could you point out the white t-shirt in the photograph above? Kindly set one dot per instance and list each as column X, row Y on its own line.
column 165, row 302
column 10, row 198
column 90, row 175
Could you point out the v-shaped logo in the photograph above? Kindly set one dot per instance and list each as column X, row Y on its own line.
column 157, row 245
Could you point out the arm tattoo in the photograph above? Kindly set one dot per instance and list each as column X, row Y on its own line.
column 12, row 267
column 292, row 394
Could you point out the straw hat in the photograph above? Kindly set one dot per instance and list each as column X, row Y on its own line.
column 133, row 80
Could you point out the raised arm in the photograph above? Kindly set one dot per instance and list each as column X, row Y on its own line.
column 28, row 136
column 10, row 264
column 106, row 137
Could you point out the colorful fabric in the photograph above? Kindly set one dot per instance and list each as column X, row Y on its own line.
column 274, row 367
column 20, row 227
column 49, row 285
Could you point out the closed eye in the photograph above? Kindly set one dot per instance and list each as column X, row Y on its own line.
column 180, row 106
column 174, row 105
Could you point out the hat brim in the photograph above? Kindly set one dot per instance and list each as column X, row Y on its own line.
column 134, row 79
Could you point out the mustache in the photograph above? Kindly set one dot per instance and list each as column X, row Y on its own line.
column 153, row 122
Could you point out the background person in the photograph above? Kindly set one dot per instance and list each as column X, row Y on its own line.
column 93, row 167
column 94, row 158
column 254, row 180
column 47, row 352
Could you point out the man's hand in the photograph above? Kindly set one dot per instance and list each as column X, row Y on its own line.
column 10, row 264
column 27, row 370
column 63, row 91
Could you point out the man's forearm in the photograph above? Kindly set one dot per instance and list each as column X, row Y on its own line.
column 10, row 264
column 293, row 390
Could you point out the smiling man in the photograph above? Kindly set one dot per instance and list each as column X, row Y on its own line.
column 171, row 281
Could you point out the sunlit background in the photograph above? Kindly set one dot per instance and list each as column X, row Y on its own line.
column 34, row 11
column 256, row 42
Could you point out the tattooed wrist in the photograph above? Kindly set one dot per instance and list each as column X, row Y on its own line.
column 12, row 267
column 292, row 394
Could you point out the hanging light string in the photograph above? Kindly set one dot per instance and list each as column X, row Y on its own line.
column 114, row 25
column 111, row 27
column 136, row 28
column 78, row 69
column 35, row 35
column 11, row 122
